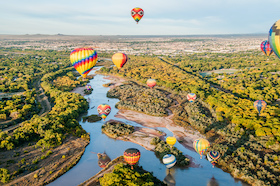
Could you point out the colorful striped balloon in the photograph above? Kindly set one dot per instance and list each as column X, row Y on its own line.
column 119, row 59
column 171, row 140
column 88, row 87
column 260, row 105
column 274, row 38
column 213, row 157
column 131, row 156
column 169, row 160
column 151, row 83
column 137, row 14
column 103, row 110
column 83, row 60
column 191, row 97
column 265, row 47
column 201, row 145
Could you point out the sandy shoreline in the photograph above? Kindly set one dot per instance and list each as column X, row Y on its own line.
column 79, row 90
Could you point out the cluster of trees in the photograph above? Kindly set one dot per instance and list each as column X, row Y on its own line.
column 19, row 106
column 230, row 122
column 50, row 130
column 66, row 83
column 115, row 129
column 19, row 69
column 162, row 148
column 124, row 175
column 140, row 98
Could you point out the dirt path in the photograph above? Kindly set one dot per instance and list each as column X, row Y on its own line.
column 41, row 98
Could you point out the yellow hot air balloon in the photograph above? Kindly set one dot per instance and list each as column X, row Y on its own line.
column 119, row 59
column 83, row 59
column 171, row 141
column 201, row 145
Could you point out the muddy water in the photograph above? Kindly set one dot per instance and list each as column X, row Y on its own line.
column 88, row 166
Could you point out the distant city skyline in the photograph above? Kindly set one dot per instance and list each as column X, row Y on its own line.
column 161, row 17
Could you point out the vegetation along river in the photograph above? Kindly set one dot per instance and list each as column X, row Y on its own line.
column 99, row 143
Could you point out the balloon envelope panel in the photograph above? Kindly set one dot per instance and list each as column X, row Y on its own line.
column 169, row 160
column 83, row 60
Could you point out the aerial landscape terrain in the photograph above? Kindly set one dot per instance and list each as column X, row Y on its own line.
column 139, row 93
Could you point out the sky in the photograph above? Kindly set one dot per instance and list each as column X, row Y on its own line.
column 161, row 17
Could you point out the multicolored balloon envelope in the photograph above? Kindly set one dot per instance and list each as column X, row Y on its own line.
column 213, row 157
column 119, row 59
column 171, row 141
column 103, row 110
column 191, row 97
column 274, row 38
column 88, row 87
column 169, row 160
column 83, row 59
column 151, row 83
column 201, row 145
column 260, row 105
column 131, row 156
column 137, row 14
column 265, row 46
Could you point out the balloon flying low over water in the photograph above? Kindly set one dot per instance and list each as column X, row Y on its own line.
column 137, row 14
column 103, row 110
column 169, row 160
column 119, row 59
column 213, row 157
column 83, row 60
column 191, row 97
column 171, row 141
column 88, row 87
column 265, row 46
column 151, row 83
column 260, row 105
column 201, row 145
column 274, row 38
column 131, row 156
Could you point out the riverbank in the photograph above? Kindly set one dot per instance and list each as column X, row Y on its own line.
column 50, row 165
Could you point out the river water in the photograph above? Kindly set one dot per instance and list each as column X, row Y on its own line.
column 99, row 142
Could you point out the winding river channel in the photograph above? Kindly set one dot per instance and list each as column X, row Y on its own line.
column 99, row 142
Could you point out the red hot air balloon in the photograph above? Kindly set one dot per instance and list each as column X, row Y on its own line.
column 151, row 83
column 191, row 97
column 131, row 156
column 137, row 14
column 103, row 110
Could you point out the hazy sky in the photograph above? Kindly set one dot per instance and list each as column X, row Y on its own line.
column 161, row 17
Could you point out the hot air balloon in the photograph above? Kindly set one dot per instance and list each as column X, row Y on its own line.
column 201, row 145
column 88, row 87
column 260, row 105
column 213, row 182
column 274, row 38
column 103, row 160
column 171, row 141
column 191, row 97
column 119, row 59
column 151, row 83
column 137, row 14
column 265, row 47
column 83, row 59
column 213, row 157
column 103, row 110
column 169, row 160
column 131, row 156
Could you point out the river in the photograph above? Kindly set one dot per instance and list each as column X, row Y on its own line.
column 99, row 142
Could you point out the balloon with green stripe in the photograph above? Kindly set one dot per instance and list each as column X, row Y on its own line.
column 274, row 38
